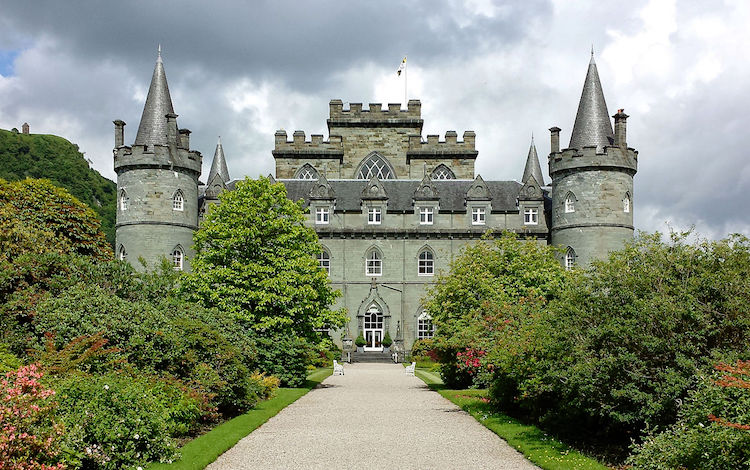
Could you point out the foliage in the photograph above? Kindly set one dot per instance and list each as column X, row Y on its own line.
column 387, row 341
column 324, row 353
column 28, row 206
column 56, row 159
column 254, row 259
column 713, row 430
column 30, row 436
column 621, row 345
column 466, row 303
column 8, row 361
column 285, row 357
column 424, row 347
column 360, row 341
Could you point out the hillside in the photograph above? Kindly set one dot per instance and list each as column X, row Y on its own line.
column 54, row 158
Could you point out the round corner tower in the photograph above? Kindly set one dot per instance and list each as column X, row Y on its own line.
column 592, row 181
column 157, row 184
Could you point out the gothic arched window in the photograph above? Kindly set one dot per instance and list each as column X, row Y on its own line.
column 177, row 258
column 626, row 203
column 122, row 255
column 426, row 263
column 425, row 327
column 178, row 201
column 307, row 172
column 375, row 165
column 123, row 200
column 570, row 203
column 570, row 258
column 442, row 172
column 373, row 263
column 324, row 260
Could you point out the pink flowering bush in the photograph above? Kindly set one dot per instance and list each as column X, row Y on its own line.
column 29, row 435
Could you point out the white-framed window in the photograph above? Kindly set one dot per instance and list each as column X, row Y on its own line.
column 177, row 258
column 570, row 205
column 531, row 216
column 426, row 263
column 123, row 200
column 626, row 203
column 426, row 215
column 324, row 260
column 425, row 327
column 373, row 264
column 570, row 258
column 122, row 255
column 178, row 201
column 322, row 215
column 374, row 215
column 477, row 216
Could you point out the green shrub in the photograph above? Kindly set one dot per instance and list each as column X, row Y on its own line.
column 324, row 353
column 713, row 430
column 360, row 341
column 387, row 341
column 286, row 358
column 8, row 361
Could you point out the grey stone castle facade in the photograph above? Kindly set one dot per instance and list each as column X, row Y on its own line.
column 391, row 209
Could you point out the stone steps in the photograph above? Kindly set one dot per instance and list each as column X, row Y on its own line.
column 372, row 356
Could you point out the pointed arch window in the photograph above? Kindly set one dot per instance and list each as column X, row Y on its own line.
column 178, row 201
column 373, row 263
column 426, row 263
column 626, row 203
column 123, row 200
column 375, row 165
column 570, row 258
column 122, row 255
column 324, row 260
column 178, row 258
column 307, row 172
column 442, row 172
column 570, row 203
column 425, row 327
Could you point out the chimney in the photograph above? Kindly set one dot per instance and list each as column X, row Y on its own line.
column 621, row 128
column 185, row 139
column 554, row 139
column 172, row 129
column 119, row 133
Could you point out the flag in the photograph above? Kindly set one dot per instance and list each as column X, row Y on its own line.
column 401, row 67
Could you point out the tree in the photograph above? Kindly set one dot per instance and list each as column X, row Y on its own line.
column 255, row 259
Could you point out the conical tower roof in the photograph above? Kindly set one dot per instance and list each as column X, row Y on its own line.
column 532, row 166
column 153, row 127
column 219, row 165
column 592, row 126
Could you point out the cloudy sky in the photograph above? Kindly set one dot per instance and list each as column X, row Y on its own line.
column 506, row 69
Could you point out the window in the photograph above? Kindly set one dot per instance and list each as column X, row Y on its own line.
column 375, row 165
column 426, row 263
column 425, row 215
column 570, row 258
column 477, row 216
column 374, row 265
column 122, row 255
column 531, row 216
column 322, row 215
column 425, row 327
column 177, row 201
column 177, row 259
column 373, row 215
column 324, row 259
column 570, row 204
column 307, row 172
column 626, row 203
column 123, row 201
column 442, row 172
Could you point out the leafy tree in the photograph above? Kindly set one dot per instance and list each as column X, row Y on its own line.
column 255, row 259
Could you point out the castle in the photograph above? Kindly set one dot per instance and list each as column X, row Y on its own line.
column 391, row 209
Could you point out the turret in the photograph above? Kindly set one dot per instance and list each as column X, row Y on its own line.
column 157, row 184
column 592, row 180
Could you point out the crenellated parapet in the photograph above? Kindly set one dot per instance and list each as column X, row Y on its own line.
column 375, row 115
column 609, row 158
column 157, row 157
column 451, row 147
column 299, row 147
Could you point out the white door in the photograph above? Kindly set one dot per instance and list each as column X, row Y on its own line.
column 373, row 329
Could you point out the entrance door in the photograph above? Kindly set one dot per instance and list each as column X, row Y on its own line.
column 374, row 329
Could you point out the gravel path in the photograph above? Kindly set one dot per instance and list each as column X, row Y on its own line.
column 373, row 417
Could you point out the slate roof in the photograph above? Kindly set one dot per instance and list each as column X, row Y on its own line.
column 592, row 126
column 532, row 166
column 152, row 129
column 400, row 193
column 219, row 164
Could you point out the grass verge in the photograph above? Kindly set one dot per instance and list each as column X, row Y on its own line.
column 206, row 448
column 532, row 442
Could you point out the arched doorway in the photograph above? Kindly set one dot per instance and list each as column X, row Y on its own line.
column 373, row 328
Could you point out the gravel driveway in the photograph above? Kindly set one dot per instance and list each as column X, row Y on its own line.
column 373, row 417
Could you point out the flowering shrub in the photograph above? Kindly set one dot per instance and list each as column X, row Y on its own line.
column 29, row 438
column 424, row 347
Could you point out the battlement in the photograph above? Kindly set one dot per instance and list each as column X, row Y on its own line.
column 157, row 156
column 332, row 148
column 436, row 148
column 375, row 115
column 610, row 157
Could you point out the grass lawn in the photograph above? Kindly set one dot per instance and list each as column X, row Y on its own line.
column 538, row 447
column 206, row 448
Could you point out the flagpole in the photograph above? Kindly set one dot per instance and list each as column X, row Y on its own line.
column 406, row 67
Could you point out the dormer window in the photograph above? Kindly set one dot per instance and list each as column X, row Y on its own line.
column 426, row 215
column 374, row 215
column 178, row 201
column 322, row 215
column 477, row 216
column 531, row 216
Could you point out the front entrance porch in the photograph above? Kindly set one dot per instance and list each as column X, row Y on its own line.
column 373, row 329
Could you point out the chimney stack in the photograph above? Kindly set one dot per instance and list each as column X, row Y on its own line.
column 621, row 129
column 554, row 139
column 119, row 133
